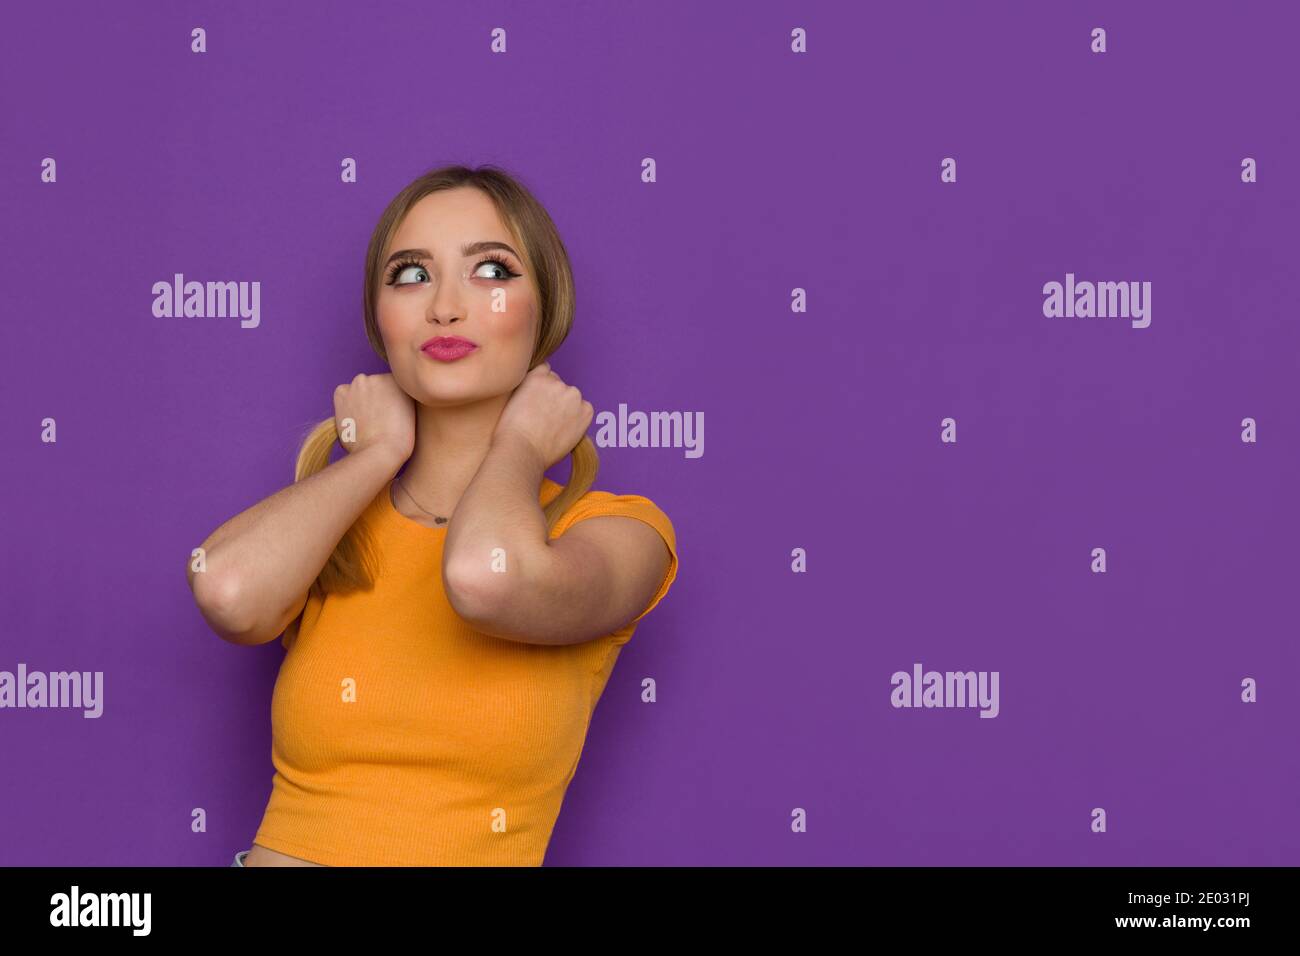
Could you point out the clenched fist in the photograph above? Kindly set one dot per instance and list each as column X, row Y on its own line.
column 382, row 415
column 549, row 415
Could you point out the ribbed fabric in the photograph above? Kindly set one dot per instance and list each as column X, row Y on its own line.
column 459, row 746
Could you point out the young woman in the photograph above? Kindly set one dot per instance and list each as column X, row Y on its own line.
column 450, row 615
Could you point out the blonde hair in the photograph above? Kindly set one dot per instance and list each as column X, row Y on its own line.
column 352, row 565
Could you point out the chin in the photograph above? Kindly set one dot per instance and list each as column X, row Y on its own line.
column 445, row 394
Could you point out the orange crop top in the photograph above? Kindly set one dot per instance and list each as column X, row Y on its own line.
column 401, row 736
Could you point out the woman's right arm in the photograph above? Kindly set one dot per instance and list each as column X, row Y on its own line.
column 260, row 565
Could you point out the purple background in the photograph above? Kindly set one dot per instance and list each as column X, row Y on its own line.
column 775, row 171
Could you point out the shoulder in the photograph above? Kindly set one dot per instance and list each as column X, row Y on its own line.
column 656, row 565
column 599, row 503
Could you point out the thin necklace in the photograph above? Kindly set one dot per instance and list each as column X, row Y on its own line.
column 438, row 518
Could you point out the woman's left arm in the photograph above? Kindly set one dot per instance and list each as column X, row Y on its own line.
column 506, row 578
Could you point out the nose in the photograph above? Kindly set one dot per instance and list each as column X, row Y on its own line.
column 447, row 305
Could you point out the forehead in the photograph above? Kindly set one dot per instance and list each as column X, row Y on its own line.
column 448, row 218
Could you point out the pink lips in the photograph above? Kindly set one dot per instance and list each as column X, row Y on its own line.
column 448, row 348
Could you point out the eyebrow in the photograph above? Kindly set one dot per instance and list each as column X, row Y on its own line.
column 469, row 249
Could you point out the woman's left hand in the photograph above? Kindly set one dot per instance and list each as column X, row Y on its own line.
column 550, row 416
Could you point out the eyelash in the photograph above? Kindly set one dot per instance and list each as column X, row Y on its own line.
column 397, row 268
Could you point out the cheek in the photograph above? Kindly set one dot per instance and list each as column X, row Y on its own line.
column 396, row 332
column 388, row 320
column 515, row 324
column 397, row 322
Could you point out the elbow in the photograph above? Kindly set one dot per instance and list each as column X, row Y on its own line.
column 473, row 594
column 220, row 600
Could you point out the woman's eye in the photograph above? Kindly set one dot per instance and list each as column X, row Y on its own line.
column 397, row 280
column 504, row 272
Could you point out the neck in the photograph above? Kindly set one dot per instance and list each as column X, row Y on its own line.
column 451, row 442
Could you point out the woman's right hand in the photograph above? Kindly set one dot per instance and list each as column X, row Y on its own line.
column 384, row 415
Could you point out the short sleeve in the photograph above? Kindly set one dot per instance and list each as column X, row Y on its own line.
column 599, row 503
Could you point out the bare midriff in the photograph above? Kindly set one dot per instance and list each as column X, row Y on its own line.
column 263, row 856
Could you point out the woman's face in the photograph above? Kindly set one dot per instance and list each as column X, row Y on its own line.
column 431, row 286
